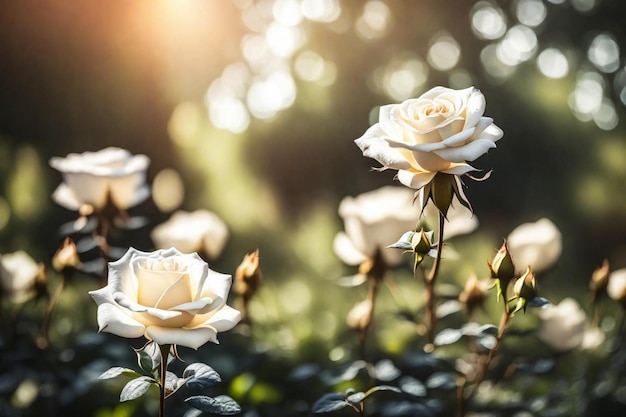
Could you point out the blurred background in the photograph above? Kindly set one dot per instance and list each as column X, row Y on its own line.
column 249, row 108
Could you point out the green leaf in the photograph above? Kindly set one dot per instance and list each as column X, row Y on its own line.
column 145, row 361
column 355, row 398
column 172, row 383
column 329, row 402
column 222, row 404
column 116, row 371
column 136, row 388
column 412, row 386
column 200, row 376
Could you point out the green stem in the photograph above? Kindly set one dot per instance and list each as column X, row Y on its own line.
column 429, row 282
column 504, row 322
column 44, row 340
column 165, row 351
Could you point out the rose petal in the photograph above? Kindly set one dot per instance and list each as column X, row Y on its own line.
column 459, row 169
column 475, row 108
column 225, row 319
column 388, row 126
column 418, row 147
column 216, row 286
column 415, row 180
column 459, row 138
column 346, row 251
column 468, row 152
column 376, row 148
column 192, row 338
column 201, row 306
column 491, row 132
column 124, row 301
column 112, row 319
column 64, row 196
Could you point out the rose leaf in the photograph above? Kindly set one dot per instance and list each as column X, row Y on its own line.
column 222, row 404
column 117, row 370
column 136, row 388
column 200, row 376
column 329, row 402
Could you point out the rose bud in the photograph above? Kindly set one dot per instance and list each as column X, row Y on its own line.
column 473, row 294
column 360, row 316
column 248, row 276
column 599, row 280
column 616, row 287
column 502, row 265
column 66, row 256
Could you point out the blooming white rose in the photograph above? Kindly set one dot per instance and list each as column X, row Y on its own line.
column 563, row 325
column 537, row 244
column 374, row 220
column 616, row 287
column 167, row 296
column 92, row 176
column 197, row 231
column 18, row 274
column 437, row 132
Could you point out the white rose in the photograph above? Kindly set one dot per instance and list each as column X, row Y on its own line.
column 437, row 132
column 92, row 176
column 616, row 287
column 563, row 325
column 18, row 273
column 167, row 296
column 537, row 244
column 198, row 231
column 375, row 220
column 460, row 220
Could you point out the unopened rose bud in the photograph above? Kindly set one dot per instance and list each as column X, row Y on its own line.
column 524, row 289
column 66, row 256
column 248, row 276
column 599, row 280
column 473, row 294
column 360, row 316
column 502, row 265
column 419, row 243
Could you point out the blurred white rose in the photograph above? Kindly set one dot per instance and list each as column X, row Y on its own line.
column 18, row 274
column 197, row 231
column 563, row 325
column 167, row 296
column 460, row 220
column 617, row 286
column 536, row 244
column 375, row 220
column 90, row 177
column 438, row 132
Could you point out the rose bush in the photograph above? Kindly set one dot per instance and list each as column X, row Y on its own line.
column 537, row 244
column 90, row 177
column 167, row 296
column 197, row 231
column 438, row 132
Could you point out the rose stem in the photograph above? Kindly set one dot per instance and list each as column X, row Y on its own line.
column 504, row 322
column 429, row 281
column 44, row 340
column 165, row 351
column 371, row 296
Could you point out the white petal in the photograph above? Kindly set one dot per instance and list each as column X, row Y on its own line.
column 475, row 108
column 487, row 130
column 459, row 138
column 225, row 319
column 346, row 251
column 374, row 146
column 415, row 180
column 192, row 338
column 388, row 126
column 201, row 306
column 113, row 320
column 468, row 152
column 419, row 147
column 64, row 196
column 459, row 169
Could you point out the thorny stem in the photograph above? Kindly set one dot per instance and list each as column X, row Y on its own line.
column 165, row 351
column 429, row 282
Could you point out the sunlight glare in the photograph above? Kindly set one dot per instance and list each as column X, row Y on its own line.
column 488, row 21
column 586, row 99
column 604, row 53
column 375, row 20
column 287, row 12
column 266, row 97
column 444, row 52
column 552, row 63
column 531, row 12
column 283, row 40
column 321, row 10
column 518, row 45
